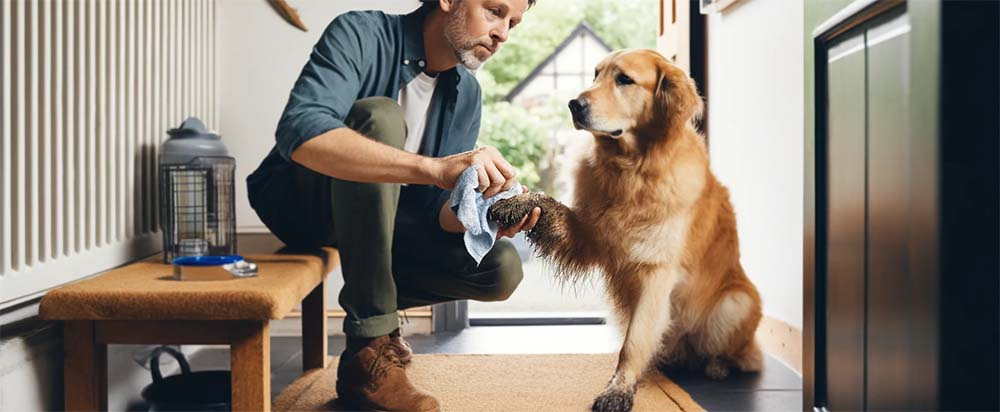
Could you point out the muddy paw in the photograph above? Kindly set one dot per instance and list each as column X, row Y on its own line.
column 551, row 223
column 508, row 212
column 613, row 400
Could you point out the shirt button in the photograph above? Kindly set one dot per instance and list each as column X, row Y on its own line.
column 420, row 63
column 407, row 61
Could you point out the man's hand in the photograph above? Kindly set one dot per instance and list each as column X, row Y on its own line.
column 527, row 223
column 495, row 174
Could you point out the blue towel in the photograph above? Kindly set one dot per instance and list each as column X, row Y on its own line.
column 470, row 207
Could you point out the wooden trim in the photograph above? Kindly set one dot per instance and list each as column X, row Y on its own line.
column 314, row 341
column 853, row 16
column 250, row 357
column 782, row 341
column 85, row 374
column 660, row 33
column 715, row 6
column 172, row 332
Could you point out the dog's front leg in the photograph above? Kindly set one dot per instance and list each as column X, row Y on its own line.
column 559, row 235
column 648, row 321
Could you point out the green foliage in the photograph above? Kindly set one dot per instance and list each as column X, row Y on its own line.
column 623, row 24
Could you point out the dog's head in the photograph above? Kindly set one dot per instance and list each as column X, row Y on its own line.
column 637, row 95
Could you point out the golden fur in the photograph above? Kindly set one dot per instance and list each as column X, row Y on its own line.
column 653, row 219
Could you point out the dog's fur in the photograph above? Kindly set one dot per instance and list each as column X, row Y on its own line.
column 653, row 219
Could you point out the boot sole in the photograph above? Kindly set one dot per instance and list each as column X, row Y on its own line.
column 357, row 406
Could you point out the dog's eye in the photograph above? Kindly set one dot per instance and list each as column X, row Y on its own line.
column 622, row 79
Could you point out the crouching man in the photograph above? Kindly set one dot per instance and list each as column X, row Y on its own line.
column 378, row 127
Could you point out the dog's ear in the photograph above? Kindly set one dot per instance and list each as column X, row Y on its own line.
column 662, row 84
column 687, row 104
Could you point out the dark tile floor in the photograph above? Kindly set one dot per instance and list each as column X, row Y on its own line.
column 777, row 388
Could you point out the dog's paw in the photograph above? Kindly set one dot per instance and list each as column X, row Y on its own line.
column 614, row 400
column 549, row 229
column 717, row 369
column 509, row 212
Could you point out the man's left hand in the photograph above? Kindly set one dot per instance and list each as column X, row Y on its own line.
column 527, row 222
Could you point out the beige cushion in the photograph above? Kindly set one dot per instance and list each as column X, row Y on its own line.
column 146, row 291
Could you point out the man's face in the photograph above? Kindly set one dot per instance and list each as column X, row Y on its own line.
column 476, row 28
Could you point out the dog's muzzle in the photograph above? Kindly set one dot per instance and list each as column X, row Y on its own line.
column 580, row 109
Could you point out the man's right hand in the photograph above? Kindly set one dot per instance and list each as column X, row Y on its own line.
column 495, row 174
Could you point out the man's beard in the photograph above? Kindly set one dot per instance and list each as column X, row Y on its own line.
column 461, row 44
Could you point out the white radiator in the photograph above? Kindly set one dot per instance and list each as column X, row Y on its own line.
column 88, row 89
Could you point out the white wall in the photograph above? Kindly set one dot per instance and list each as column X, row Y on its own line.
column 260, row 58
column 755, row 92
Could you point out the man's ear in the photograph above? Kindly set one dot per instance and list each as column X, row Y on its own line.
column 447, row 5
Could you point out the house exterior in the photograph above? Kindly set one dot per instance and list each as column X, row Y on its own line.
column 561, row 76
column 569, row 69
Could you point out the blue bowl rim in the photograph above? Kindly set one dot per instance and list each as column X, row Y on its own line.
column 211, row 260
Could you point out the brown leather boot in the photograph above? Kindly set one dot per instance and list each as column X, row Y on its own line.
column 403, row 349
column 373, row 379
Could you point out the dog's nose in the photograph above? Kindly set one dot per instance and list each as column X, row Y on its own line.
column 578, row 106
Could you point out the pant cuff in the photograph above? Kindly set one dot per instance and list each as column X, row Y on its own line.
column 371, row 327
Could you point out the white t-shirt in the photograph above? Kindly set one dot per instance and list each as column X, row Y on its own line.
column 415, row 99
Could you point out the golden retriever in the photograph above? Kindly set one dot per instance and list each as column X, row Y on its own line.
column 650, row 216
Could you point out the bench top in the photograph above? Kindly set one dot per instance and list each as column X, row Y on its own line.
column 146, row 290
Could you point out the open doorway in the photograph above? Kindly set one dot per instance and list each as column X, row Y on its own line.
column 549, row 59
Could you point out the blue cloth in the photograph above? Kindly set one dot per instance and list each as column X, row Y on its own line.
column 470, row 207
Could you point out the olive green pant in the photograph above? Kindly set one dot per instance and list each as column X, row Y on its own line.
column 390, row 260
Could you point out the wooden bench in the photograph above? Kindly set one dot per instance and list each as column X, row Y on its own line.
column 140, row 303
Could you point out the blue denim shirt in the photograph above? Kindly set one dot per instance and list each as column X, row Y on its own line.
column 370, row 53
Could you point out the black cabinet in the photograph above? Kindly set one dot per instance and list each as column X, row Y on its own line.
column 902, row 251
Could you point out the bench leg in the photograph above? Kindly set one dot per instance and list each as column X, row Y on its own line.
column 85, row 368
column 250, row 355
column 314, row 339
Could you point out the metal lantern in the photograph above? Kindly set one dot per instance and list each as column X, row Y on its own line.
column 197, row 207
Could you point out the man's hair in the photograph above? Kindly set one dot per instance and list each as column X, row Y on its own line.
column 429, row 3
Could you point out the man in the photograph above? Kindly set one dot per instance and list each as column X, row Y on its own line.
column 381, row 122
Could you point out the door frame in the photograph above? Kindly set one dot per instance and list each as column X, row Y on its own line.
column 953, row 237
column 815, row 228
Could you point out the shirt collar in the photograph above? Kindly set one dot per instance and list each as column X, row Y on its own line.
column 413, row 34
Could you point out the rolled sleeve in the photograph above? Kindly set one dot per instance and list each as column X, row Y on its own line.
column 329, row 84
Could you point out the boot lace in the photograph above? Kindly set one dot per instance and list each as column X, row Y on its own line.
column 386, row 360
